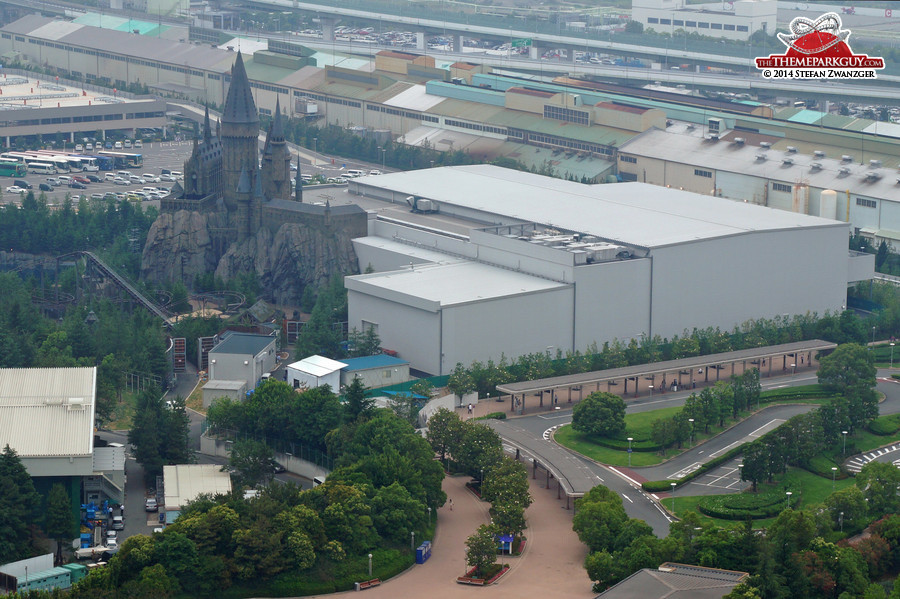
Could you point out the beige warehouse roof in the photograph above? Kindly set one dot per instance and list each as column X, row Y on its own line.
column 186, row 482
column 48, row 412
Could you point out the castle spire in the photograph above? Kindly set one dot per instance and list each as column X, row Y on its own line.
column 207, row 131
column 218, row 128
column 277, row 127
column 244, row 181
column 239, row 104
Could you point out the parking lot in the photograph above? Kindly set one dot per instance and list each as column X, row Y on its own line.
column 156, row 156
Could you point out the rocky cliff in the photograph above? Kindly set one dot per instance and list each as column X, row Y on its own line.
column 182, row 244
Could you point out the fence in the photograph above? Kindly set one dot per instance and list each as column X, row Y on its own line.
column 436, row 382
column 292, row 448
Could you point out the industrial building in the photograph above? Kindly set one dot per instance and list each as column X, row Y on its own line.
column 809, row 178
column 242, row 357
column 375, row 371
column 511, row 263
column 736, row 20
column 183, row 483
column 48, row 419
column 314, row 371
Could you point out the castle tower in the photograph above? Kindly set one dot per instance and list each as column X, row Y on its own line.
column 239, row 136
column 242, row 197
column 276, row 160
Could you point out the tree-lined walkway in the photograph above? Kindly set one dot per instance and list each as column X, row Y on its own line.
column 552, row 564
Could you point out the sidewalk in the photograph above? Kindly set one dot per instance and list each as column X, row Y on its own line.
column 552, row 564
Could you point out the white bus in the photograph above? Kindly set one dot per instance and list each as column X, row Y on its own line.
column 41, row 168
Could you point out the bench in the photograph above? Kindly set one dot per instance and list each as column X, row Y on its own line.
column 368, row 584
column 474, row 581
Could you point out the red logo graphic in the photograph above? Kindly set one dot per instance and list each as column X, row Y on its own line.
column 818, row 50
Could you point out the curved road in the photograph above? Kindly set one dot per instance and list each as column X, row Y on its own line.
column 528, row 433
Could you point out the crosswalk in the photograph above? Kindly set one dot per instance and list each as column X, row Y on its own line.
column 856, row 464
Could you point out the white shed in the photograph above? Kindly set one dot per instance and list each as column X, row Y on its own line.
column 315, row 371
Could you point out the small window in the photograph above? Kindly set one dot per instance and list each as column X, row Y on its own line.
column 729, row 27
column 653, row 20
column 703, row 25
column 744, row 28
column 690, row 23
column 629, row 159
column 703, row 173
column 678, row 23
column 387, row 373
column 865, row 203
column 781, row 187
column 665, row 21
column 716, row 25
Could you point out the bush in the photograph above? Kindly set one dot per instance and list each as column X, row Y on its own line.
column 493, row 416
column 622, row 444
column 656, row 486
column 744, row 505
column 809, row 392
column 884, row 425
column 822, row 466
column 895, row 376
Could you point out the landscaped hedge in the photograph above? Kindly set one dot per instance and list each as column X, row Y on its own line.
column 796, row 394
column 493, row 416
column 743, row 506
column 622, row 444
column 655, row 486
column 822, row 466
column 884, row 425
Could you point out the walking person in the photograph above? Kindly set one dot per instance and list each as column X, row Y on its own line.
column 450, row 501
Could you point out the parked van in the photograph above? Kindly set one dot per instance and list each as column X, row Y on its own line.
column 109, row 176
column 138, row 143
column 88, row 147
column 123, row 174
column 79, row 148
column 355, row 173
column 127, row 143
column 318, row 480
column 42, row 168
column 64, row 179
column 118, row 145
column 22, row 183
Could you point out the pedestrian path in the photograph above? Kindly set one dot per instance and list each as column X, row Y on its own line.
column 856, row 463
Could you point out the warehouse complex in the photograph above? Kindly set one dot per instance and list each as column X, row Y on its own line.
column 511, row 263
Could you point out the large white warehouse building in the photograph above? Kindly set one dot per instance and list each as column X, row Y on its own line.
column 516, row 263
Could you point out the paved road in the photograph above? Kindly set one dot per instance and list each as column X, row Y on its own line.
column 529, row 431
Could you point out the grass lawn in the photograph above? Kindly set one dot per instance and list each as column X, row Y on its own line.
column 813, row 489
column 123, row 413
column 195, row 400
column 567, row 437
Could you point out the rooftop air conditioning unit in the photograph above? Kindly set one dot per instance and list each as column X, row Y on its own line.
column 761, row 157
column 816, row 166
column 875, row 163
column 713, row 138
column 765, row 144
column 873, row 176
column 787, row 161
column 844, row 170
column 846, row 158
column 791, row 150
column 739, row 141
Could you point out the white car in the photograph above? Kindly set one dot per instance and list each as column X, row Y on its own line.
column 109, row 177
column 88, row 147
column 138, row 144
column 136, row 180
column 120, row 181
column 112, row 544
column 15, row 189
column 150, row 178
column 167, row 178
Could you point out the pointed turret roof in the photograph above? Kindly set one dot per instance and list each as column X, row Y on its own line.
column 277, row 127
column 207, row 131
column 239, row 104
column 244, row 181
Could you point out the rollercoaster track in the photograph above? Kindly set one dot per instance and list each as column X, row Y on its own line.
column 123, row 284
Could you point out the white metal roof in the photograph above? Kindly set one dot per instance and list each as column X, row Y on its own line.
column 631, row 213
column 184, row 482
column 415, row 98
column 317, row 366
column 833, row 173
column 434, row 286
column 48, row 411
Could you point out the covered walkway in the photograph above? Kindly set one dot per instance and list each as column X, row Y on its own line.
column 671, row 375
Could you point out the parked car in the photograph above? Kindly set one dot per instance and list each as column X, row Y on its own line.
column 88, row 147
column 150, row 178
column 77, row 185
column 52, row 181
column 118, row 145
column 81, row 179
column 138, row 143
column 120, row 181
column 45, row 187
column 167, row 177
column 93, row 178
column 112, row 544
column 136, row 179
column 150, row 505
column 277, row 468
column 108, row 145
column 111, row 534
column 118, row 522
column 15, row 189
column 109, row 177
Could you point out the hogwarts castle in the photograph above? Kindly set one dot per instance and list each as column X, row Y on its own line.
column 238, row 211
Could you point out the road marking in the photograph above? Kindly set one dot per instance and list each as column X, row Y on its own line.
column 625, row 476
column 627, row 497
column 685, row 471
column 775, row 421
column 556, row 417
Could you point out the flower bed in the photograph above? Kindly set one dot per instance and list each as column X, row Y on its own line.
column 492, row 575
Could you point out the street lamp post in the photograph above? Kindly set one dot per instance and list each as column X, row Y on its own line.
column 844, row 452
column 788, row 501
column 873, row 338
column 691, row 420
column 630, row 439
column 833, row 474
column 383, row 151
column 315, row 151
column 429, row 514
column 892, row 354
column 793, row 369
column 841, row 520
column 673, row 497
column 370, row 565
column 651, row 390
column 412, row 540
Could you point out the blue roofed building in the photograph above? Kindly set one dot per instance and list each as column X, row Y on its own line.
column 375, row 371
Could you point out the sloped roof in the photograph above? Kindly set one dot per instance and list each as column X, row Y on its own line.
column 185, row 482
column 239, row 104
column 676, row 581
column 243, row 344
column 368, row 362
column 48, row 411
column 317, row 366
